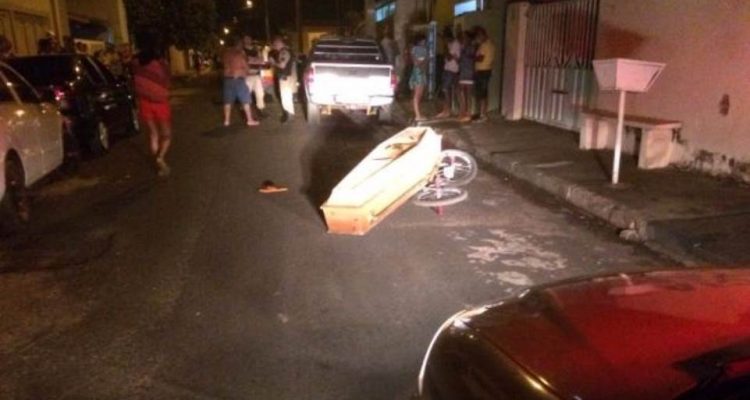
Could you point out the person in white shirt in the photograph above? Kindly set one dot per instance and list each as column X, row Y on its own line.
column 255, row 65
column 450, row 70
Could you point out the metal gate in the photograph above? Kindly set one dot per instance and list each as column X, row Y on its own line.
column 559, row 76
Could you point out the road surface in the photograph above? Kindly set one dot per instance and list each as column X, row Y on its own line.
column 127, row 286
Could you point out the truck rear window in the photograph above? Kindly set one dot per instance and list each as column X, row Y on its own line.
column 344, row 51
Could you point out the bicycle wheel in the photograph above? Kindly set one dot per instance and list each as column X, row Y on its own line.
column 439, row 197
column 457, row 167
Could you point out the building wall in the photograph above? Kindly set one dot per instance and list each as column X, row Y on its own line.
column 24, row 22
column 40, row 7
column 407, row 11
column 442, row 12
column 706, row 46
column 112, row 12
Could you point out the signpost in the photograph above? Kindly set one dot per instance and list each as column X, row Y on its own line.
column 624, row 75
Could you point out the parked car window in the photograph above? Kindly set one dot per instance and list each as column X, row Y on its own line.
column 5, row 95
column 105, row 71
column 93, row 72
column 25, row 92
column 46, row 71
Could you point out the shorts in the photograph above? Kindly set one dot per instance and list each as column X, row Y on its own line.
column 417, row 78
column 466, row 74
column 235, row 89
column 449, row 80
column 152, row 111
column 482, row 84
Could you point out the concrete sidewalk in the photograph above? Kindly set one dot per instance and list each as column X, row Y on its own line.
column 693, row 218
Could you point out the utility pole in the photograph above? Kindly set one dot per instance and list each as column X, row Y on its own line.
column 338, row 17
column 268, row 21
column 298, row 22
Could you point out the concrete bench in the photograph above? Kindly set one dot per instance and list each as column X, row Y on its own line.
column 599, row 128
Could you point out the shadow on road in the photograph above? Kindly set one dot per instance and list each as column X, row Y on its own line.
column 221, row 132
column 339, row 144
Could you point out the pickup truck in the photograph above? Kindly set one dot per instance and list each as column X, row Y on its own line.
column 348, row 74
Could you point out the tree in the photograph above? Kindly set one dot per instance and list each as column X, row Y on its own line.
column 182, row 23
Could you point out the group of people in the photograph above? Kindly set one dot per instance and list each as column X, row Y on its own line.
column 243, row 65
column 469, row 57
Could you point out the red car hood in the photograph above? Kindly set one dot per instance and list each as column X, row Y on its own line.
column 622, row 337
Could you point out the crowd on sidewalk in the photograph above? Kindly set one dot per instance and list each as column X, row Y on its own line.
column 468, row 60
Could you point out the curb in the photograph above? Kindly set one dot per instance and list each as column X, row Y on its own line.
column 606, row 209
column 601, row 207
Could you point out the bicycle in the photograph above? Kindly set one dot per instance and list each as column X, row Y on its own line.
column 454, row 170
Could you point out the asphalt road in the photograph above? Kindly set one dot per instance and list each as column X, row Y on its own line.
column 127, row 286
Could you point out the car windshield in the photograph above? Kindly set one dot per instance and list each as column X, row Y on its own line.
column 44, row 71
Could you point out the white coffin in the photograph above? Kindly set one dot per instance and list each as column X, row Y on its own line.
column 385, row 179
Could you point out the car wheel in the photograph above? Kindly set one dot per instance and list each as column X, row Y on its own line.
column 313, row 114
column 385, row 114
column 14, row 207
column 100, row 140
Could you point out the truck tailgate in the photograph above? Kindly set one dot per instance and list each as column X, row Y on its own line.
column 353, row 80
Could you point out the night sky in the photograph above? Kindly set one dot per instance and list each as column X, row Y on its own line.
column 281, row 12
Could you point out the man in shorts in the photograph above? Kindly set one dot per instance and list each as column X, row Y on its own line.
column 235, row 86
column 483, row 63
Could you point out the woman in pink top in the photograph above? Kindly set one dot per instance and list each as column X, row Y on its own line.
column 152, row 81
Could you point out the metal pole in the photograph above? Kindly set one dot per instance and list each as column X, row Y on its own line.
column 268, row 21
column 338, row 17
column 618, row 139
column 298, row 22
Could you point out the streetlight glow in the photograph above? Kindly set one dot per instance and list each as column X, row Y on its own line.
column 226, row 30
column 249, row 3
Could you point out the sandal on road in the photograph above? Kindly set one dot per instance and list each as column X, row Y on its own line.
column 269, row 187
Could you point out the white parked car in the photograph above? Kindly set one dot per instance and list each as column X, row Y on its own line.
column 31, row 143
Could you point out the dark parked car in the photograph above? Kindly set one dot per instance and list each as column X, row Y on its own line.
column 653, row 335
column 96, row 105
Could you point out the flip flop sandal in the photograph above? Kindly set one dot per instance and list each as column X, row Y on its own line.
column 270, row 187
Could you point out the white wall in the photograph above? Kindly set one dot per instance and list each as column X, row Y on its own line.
column 39, row 7
column 706, row 45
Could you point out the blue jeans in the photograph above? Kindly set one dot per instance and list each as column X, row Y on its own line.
column 235, row 89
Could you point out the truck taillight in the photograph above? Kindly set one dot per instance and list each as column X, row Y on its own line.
column 309, row 77
column 394, row 80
